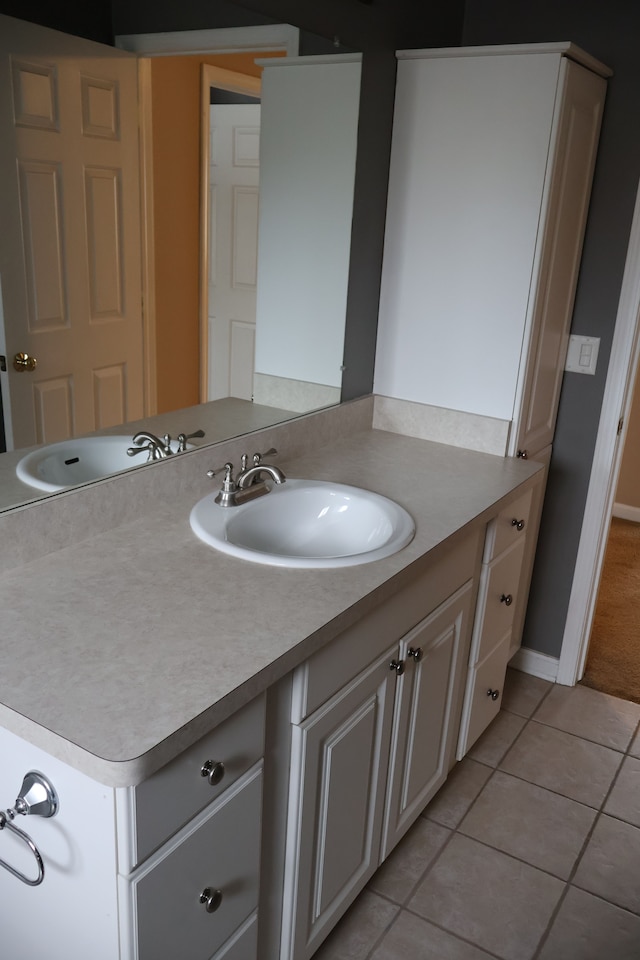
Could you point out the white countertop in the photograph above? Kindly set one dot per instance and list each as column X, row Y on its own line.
column 122, row 650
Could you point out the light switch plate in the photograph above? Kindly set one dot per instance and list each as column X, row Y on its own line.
column 582, row 354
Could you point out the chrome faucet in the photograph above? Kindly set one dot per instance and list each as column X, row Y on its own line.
column 157, row 449
column 249, row 483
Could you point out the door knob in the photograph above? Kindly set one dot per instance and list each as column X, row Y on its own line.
column 23, row 362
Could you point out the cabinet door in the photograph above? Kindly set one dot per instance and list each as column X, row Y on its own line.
column 338, row 775
column 426, row 711
column 567, row 203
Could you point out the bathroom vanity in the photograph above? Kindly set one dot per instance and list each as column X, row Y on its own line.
column 236, row 747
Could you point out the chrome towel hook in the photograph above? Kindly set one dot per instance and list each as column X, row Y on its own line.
column 38, row 798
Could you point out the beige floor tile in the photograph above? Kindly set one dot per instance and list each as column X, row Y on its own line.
column 523, row 693
column 497, row 738
column 590, row 714
column 411, row 938
column 528, row 822
column 576, row 768
column 463, row 785
column 609, row 865
column 359, row 930
column 587, row 928
column 471, row 889
column 634, row 749
column 400, row 872
column 624, row 799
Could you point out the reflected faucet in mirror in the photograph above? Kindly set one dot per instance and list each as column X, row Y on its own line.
column 159, row 449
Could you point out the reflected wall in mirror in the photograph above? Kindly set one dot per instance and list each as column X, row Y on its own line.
column 107, row 390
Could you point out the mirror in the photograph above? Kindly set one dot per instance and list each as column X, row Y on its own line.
column 291, row 288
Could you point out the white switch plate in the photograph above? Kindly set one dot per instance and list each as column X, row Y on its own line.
column 582, row 354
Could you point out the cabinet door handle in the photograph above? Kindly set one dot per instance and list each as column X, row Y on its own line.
column 416, row 653
column 211, row 899
column 494, row 694
column 522, row 454
column 518, row 524
column 507, row 599
column 213, row 770
column 398, row 666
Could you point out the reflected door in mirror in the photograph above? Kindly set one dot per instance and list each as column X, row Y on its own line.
column 234, row 165
column 70, row 256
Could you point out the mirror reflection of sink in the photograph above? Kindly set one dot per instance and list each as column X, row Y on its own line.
column 61, row 465
column 306, row 523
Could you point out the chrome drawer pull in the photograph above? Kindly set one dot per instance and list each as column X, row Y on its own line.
column 398, row 666
column 507, row 599
column 416, row 653
column 518, row 524
column 213, row 770
column 211, row 899
column 494, row 694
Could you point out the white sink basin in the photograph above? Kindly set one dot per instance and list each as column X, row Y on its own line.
column 306, row 523
column 65, row 464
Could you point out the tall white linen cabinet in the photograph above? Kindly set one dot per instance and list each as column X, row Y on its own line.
column 492, row 161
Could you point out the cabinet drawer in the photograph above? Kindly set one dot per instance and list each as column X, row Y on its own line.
column 166, row 801
column 509, row 526
column 485, row 681
column 497, row 600
column 221, row 851
column 331, row 668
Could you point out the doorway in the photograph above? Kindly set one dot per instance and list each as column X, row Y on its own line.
column 613, row 658
column 176, row 369
column 612, row 433
column 230, row 141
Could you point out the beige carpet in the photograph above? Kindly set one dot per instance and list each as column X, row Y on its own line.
column 613, row 661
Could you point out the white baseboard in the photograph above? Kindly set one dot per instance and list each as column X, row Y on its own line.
column 534, row 663
column 624, row 512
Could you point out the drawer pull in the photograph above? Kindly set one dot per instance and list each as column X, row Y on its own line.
column 518, row 524
column 494, row 694
column 398, row 666
column 522, row 455
column 416, row 653
column 213, row 770
column 211, row 899
column 507, row 599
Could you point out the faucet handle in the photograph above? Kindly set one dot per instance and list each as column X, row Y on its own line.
column 228, row 472
column 258, row 457
column 184, row 437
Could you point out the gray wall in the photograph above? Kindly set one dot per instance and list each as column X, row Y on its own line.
column 89, row 20
column 609, row 32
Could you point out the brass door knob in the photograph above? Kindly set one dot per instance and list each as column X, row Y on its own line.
column 22, row 362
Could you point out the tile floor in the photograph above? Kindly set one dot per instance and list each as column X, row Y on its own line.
column 530, row 851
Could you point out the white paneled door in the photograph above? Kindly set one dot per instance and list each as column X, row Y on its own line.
column 70, row 253
column 233, row 248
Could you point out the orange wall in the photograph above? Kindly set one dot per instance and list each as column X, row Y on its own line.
column 176, row 185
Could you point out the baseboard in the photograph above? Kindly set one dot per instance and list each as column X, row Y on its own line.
column 625, row 512
column 534, row 663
